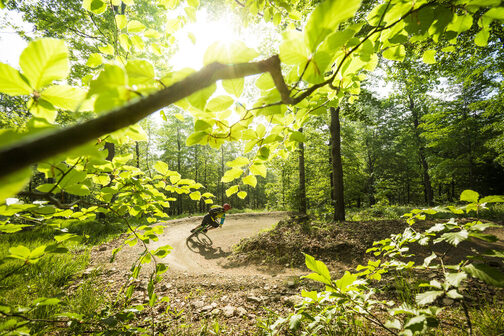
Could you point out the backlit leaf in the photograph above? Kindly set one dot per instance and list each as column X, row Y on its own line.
column 229, row 53
column 325, row 19
column 429, row 56
column 251, row 180
column 139, row 72
column 469, row 196
column 135, row 26
column 65, row 97
column 11, row 82
column 219, row 103
column 395, row 53
column 232, row 190
column 44, row 61
column 242, row 194
column 234, row 86
column 94, row 60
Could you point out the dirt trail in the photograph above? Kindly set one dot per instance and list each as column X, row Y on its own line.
column 202, row 255
column 206, row 253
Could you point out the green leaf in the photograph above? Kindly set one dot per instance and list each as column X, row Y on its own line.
column 231, row 174
column 96, row 6
column 232, row 190
column 234, row 86
column 295, row 321
column 320, row 268
column 469, row 196
column 65, row 97
column 197, row 138
column 492, row 199
column 161, row 167
column 297, row 136
column 44, row 61
column 229, row 53
column 483, row 236
column 238, row 162
column 111, row 77
column 395, row 53
column 78, row 189
column 481, row 38
column 258, row 169
column 11, row 82
column 326, row 18
column 19, row 252
column 151, row 33
column 495, row 13
column 201, row 125
column 265, row 82
column 139, row 72
column 485, row 273
column 121, row 21
column 454, row 238
column 242, row 194
column 460, row 23
column 195, row 195
column 346, row 281
column 107, row 50
column 453, row 294
column 251, row 180
column 293, row 49
column 219, row 103
column 94, row 60
column 135, row 26
column 394, row 324
column 454, row 279
column 429, row 56
column 11, row 184
column 428, row 297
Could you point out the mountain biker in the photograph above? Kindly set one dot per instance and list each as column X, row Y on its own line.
column 211, row 218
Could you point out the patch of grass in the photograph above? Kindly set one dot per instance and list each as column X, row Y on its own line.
column 488, row 319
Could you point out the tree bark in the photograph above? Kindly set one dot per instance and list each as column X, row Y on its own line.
column 302, row 184
column 421, row 154
column 337, row 166
column 179, row 167
column 137, row 151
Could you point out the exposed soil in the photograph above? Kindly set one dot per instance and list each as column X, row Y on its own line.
column 207, row 282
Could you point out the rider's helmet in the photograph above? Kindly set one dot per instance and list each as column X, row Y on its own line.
column 226, row 206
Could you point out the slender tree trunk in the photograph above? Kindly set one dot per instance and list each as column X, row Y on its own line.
column 283, row 186
column 371, row 171
column 302, row 181
column 179, row 166
column 337, row 166
column 220, row 177
column 110, row 147
column 421, row 153
column 137, row 152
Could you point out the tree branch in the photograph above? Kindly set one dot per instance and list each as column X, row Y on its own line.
column 30, row 151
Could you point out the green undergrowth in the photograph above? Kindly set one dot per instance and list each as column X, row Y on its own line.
column 494, row 212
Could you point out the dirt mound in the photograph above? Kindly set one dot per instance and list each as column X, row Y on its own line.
column 339, row 245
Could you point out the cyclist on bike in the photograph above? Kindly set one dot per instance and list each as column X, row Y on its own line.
column 214, row 218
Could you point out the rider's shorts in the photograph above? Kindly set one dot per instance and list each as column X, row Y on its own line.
column 209, row 220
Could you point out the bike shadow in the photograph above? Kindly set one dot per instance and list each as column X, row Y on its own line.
column 202, row 244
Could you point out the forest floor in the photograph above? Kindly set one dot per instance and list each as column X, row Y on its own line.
column 216, row 287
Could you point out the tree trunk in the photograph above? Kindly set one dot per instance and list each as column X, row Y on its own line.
column 302, row 184
column 421, row 153
column 179, row 167
column 137, row 152
column 220, row 177
column 110, row 147
column 337, row 166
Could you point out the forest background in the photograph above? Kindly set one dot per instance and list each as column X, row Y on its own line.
column 298, row 121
